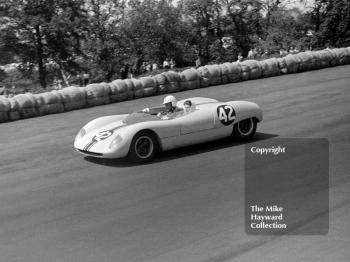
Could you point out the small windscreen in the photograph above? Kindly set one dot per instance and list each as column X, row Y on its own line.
column 139, row 117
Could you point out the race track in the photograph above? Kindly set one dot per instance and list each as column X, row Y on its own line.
column 56, row 205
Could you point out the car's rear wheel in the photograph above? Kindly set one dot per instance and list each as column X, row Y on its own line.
column 143, row 147
column 245, row 129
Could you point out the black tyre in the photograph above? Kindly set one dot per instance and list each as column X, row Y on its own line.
column 143, row 147
column 244, row 130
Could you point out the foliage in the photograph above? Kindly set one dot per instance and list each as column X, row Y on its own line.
column 335, row 28
column 61, row 38
column 155, row 31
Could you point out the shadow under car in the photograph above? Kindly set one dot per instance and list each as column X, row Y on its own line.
column 182, row 151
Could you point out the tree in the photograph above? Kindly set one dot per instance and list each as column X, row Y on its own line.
column 41, row 31
column 104, row 49
column 22, row 29
column 200, row 15
column 335, row 27
column 155, row 31
column 64, row 34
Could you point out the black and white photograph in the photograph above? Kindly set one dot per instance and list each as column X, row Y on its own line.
column 174, row 130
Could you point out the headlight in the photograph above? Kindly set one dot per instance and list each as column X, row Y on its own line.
column 115, row 142
column 81, row 133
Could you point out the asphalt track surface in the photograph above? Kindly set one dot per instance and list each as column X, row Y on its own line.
column 188, row 205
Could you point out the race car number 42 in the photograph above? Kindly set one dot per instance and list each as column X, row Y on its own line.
column 226, row 114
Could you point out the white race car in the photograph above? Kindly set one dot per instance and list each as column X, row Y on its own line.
column 140, row 135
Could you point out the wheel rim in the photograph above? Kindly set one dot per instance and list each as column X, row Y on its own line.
column 144, row 147
column 245, row 127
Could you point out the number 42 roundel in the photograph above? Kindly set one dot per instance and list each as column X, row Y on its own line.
column 226, row 114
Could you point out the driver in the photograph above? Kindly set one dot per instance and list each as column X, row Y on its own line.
column 171, row 110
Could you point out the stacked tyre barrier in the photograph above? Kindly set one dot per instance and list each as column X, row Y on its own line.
column 5, row 107
column 49, row 103
column 70, row 98
column 190, row 79
column 98, row 94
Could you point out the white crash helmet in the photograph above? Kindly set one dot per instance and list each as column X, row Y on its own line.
column 170, row 99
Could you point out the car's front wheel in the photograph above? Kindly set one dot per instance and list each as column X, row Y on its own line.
column 244, row 130
column 143, row 147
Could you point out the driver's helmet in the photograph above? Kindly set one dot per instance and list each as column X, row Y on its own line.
column 170, row 99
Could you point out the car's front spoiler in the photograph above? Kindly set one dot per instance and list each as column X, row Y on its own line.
column 89, row 153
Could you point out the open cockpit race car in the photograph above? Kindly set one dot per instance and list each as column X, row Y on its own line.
column 140, row 135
